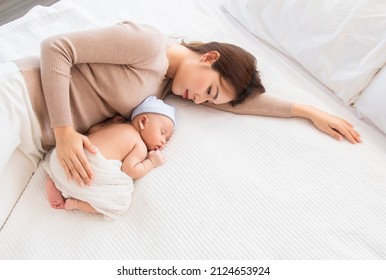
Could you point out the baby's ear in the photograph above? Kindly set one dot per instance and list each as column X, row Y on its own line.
column 143, row 121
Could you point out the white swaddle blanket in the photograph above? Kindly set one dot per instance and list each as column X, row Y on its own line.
column 111, row 191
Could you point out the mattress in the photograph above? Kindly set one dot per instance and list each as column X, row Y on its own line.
column 234, row 186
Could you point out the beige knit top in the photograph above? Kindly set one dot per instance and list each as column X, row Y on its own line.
column 85, row 77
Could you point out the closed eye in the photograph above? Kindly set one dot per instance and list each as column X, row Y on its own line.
column 209, row 91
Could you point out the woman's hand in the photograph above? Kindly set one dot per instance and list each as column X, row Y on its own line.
column 330, row 124
column 70, row 151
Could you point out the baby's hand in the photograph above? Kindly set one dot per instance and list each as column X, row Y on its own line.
column 156, row 157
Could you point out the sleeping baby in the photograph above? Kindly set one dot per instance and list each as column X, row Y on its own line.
column 125, row 152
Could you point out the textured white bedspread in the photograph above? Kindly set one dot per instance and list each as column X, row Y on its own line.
column 233, row 187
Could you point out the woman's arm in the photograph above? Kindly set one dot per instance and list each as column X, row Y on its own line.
column 330, row 124
column 267, row 105
column 120, row 44
column 259, row 105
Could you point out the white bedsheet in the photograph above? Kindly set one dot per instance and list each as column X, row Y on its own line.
column 233, row 187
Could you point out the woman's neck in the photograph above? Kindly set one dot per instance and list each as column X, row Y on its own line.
column 176, row 55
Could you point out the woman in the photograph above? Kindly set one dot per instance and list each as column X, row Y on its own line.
column 83, row 78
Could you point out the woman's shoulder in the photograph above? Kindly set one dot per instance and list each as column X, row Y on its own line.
column 147, row 44
column 143, row 32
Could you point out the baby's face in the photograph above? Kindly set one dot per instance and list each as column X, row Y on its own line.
column 157, row 131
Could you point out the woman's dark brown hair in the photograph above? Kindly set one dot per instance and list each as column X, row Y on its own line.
column 235, row 65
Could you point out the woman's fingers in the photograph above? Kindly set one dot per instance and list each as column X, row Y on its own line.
column 75, row 171
column 346, row 129
column 89, row 174
column 66, row 169
column 70, row 150
column 355, row 135
column 335, row 134
column 84, row 169
column 88, row 145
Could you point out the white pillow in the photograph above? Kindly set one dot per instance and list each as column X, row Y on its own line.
column 342, row 43
column 372, row 102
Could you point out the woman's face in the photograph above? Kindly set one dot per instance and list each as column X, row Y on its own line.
column 196, row 80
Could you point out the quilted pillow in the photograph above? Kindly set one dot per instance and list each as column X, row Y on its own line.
column 341, row 43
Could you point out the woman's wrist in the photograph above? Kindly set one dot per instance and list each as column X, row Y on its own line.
column 303, row 111
column 63, row 129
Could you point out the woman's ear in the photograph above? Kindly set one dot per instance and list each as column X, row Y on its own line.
column 143, row 121
column 210, row 57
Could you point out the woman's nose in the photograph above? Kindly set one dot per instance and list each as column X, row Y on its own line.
column 198, row 99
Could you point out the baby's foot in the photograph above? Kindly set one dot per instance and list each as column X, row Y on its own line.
column 55, row 198
column 71, row 204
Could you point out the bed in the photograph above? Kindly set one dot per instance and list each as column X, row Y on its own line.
column 234, row 186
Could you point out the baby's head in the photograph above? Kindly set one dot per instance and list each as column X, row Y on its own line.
column 154, row 121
